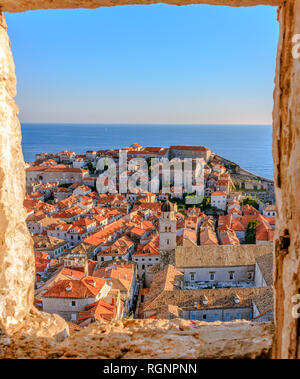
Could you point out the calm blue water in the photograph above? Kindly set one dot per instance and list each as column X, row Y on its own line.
column 247, row 145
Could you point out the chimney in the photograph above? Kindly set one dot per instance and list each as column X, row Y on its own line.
column 86, row 267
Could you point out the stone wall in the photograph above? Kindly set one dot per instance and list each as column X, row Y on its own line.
column 286, row 155
column 149, row 339
column 16, row 256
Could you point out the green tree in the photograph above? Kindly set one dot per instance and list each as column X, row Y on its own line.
column 252, row 202
column 206, row 203
column 250, row 235
column 91, row 167
column 233, row 167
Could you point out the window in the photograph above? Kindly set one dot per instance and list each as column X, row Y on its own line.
column 143, row 267
column 227, row 316
column 211, row 276
column 231, row 275
column 250, row 275
column 74, row 317
column 238, row 315
column 73, row 303
column 204, row 317
column 192, row 274
column 168, row 241
column 216, row 316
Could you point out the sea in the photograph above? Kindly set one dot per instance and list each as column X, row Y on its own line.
column 250, row 146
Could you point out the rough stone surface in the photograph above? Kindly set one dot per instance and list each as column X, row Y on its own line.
column 149, row 339
column 42, row 325
column 16, row 254
column 23, row 5
column 286, row 154
column 16, row 257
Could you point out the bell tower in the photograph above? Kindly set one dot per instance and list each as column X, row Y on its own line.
column 167, row 233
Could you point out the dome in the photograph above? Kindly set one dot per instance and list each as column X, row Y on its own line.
column 167, row 206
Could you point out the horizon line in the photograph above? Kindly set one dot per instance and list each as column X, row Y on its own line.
column 139, row 123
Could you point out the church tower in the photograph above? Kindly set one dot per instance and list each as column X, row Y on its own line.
column 167, row 233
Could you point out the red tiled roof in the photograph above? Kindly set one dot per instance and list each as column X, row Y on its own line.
column 84, row 288
column 218, row 193
column 116, row 272
column 193, row 148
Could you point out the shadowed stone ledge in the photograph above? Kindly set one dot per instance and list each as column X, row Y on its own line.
column 149, row 339
column 23, row 5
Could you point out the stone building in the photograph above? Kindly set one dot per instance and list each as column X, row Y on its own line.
column 219, row 200
column 52, row 245
column 189, row 152
column 223, row 265
column 68, row 297
column 270, row 210
column 41, row 174
column 166, row 300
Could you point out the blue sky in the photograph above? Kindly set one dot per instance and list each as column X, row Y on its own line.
column 146, row 64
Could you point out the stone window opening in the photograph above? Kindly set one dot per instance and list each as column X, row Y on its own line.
column 16, row 309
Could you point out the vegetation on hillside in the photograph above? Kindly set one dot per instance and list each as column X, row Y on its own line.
column 252, row 202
